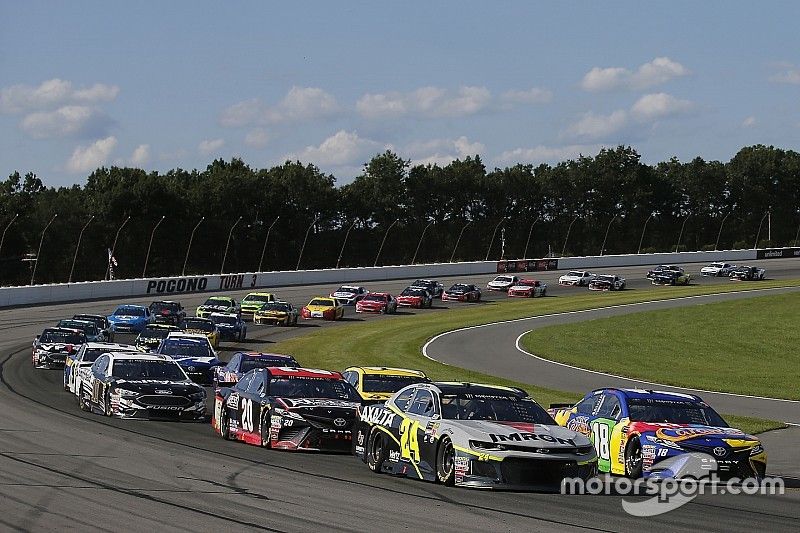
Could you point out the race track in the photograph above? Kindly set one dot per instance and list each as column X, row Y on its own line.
column 65, row 469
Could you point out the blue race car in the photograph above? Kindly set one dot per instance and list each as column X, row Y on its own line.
column 230, row 326
column 635, row 431
column 243, row 362
column 130, row 318
column 194, row 353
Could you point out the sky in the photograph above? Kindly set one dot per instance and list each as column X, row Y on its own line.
column 163, row 85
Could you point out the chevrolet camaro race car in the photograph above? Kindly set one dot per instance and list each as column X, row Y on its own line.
column 193, row 352
column 230, row 326
column 417, row 297
column 243, row 362
column 634, row 430
column 217, row 304
column 78, row 363
column 289, row 409
column 129, row 318
column 141, row 386
column 747, row 273
column 670, row 277
column 52, row 347
column 349, row 294
column 462, row 292
column 201, row 326
column 253, row 302
column 152, row 335
column 473, row 436
column 102, row 323
column 89, row 328
column 663, row 268
column 167, row 312
column 377, row 383
column 323, row 307
column 434, row 287
column 277, row 313
column 607, row 282
column 502, row 283
column 528, row 288
column 717, row 269
column 377, row 302
column 580, row 278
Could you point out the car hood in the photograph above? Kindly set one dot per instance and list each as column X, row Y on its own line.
column 371, row 303
column 215, row 307
column 500, row 283
column 342, row 294
column 271, row 312
column 522, row 288
column 570, row 278
column 195, row 361
column 319, row 307
column 147, row 386
column 223, row 325
column 57, row 347
column 517, row 433
column 199, row 332
column 125, row 318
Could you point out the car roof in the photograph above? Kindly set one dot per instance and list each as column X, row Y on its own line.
column 299, row 372
column 219, row 298
column 456, row 387
column 138, row 356
column 650, row 394
column 109, row 345
column 386, row 371
column 158, row 325
column 258, row 355
column 78, row 316
column 60, row 329
column 328, row 298
column 200, row 318
column 378, row 294
column 164, row 302
column 137, row 306
column 258, row 294
column 226, row 315
column 187, row 336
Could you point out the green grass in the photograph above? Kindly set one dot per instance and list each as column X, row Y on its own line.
column 745, row 347
column 397, row 341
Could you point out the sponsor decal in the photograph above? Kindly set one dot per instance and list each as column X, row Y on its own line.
column 162, row 286
column 163, row 391
column 520, row 437
column 275, row 422
column 340, row 422
column 532, row 265
column 579, row 424
column 317, row 402
column 394, row 456
column 774, row 253
column 377, row 415
column 679, row 434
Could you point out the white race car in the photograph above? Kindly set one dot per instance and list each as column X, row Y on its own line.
column 502, row 283
column 349, row 294
column 79, row 363
column 717, row 269
column 576, row 277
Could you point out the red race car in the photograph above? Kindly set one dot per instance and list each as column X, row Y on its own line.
column 415, row 297
column 377, row 302
column 528, row 288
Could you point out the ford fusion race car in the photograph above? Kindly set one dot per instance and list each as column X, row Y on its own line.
column 502, row 283
column 377, row 383
column 462, row 292
column 528, row 288
column 434, row 287
column 349, row 294
column 152, row 335
column 78, row 363
column 201, row 326
column 89, row 328
column 140, row 386
column 278, row 313
column 243, row 362
column 576, row 277
column 717, row 269
column 217, row 304
column 230, row 326
column 288, row 408
column 324, row 308
column 635, row 430
column 417, row 297
column 606, row 282
column 51, row 348
column 253, row 302
column 130, row 318
column 747, row 273
column 193, row 352
column 670, row 277
column 377, row 302
column 473, row 436
column 102, row 323
column 167, row 312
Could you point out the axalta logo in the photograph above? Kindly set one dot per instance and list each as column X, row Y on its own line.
column 161, row 286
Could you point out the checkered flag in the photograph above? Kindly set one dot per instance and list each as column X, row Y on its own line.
column 112, row 262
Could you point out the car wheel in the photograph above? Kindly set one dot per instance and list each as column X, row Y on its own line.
column 265, row 442
column 376, row 450
column 83, row 402
column 107, row 405
column 633, row 459
column 445, row 462
column 224, row 424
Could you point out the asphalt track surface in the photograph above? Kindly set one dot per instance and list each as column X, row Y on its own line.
column 61, row 468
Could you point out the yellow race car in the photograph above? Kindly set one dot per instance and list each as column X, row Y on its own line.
column 323, row 307
column 277, row 313
column 378, row 383
column 253, row 302
column 203, row 326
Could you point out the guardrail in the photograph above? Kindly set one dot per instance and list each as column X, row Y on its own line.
column 158, row 287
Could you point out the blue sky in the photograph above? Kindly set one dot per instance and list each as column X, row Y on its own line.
column 178, row 84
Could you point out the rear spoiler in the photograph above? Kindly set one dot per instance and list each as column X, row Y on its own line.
column 561, row 405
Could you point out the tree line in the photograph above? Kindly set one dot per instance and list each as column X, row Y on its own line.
column 465, row 212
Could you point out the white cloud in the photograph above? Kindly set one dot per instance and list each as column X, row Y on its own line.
column 299, row 104
column 257, row 138
column 52, row 93
column 658, row 71
column 531, row 96
column 546, row 154
column 594, row 126
column 442, row 151
column 658, row 105
column 428, row 102
column 209, row 146
column 141, row 155
column 341, row 148
column 86, row 158
column 749, row 122
column 64, row 121
column 788, row 74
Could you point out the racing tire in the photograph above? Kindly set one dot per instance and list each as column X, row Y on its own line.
column 446, row 463
column 82, row 401
column 633, row 459
column 265, row 418
column 376, row 451
column 224, row 424
column 107, row 406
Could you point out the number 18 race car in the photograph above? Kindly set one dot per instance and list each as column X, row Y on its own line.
column 471, row 435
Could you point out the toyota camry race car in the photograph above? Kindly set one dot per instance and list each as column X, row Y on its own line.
column 89, row 328
column 606, row 282
column 243, row 362
column 102, row 323
column 288, row 408
column 670, row 277
column 377, row 302
column 141, row 386
column 201, row 326
column 52, row 347
column 502, row 283
column 747, row 273
column 167, row 312
column 417, row 297
column 193, row 352
column 253, row 302
column 230, row 326
column 152, row 335
column 377, row 383
column 473, row 436
column 434, row 287
column 717, row 269
column 129, row 318
column 462, row 292
column 576, row 277
column 663, row 268
column 323, row 307
column 277, row 313
column 635, row 430
column 217, row 304
column 349, row 294
column 528, row 288
column 78, row 363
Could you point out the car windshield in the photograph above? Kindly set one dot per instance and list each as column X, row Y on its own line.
column 716, row 265
column 504, row 279
column 129, row 310
column 256, row 298
column 275, row 306
column 606, row 278
column 673, row 412
column 65, row 337
column 498, row 408
column 459, row 287
column 528, row 283
column 100, row 322
column 321, row 302
column 264, row 362
column 87, row 327
column 185, row 348
column 218, row 302
column 133, row 369
column 155, row 333
column 231, row 320
column 91, row 354
column 294, row 387
column 201, row 325
column 413, row 292
column 575, row 273
column 165, row 307
column 424, row 283
column 347, row 289
column 375, row 298
column 375, row 383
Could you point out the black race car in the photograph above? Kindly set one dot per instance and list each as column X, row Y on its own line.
column 243, row 362
column 51, row 348
column 152, row 335
column 462, row 292
column 660, row 269
column 434, row 287
column 102, row 323
column 748, row 273
column 167, row 312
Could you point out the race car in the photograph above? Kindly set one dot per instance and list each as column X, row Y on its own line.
column 243, row 362
column 323, row 307
column 377, row 302
column 289, row 409
column 634, row 430
column 152, row 335
column 576, row 277
column 417, row 297
column 747, row 273
column 167, row 312
column 102, row 323
column 502, row 283
column 670, row 277
column 253, row 302
column 606, row 282
column 377, row 383
column 128, row 318
column 434, row 287
column 230, row 326
column 51, row 348
column 349, row 294
column 278, row 313
column 201, row 326
column 89, row 328
column 462, row 292
column 471, row 435
column 663, row 268
column 193, row 352
column 217, row 304
column 128, row 385
column 528, row 288
column 717, row 269
column 79, row 362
